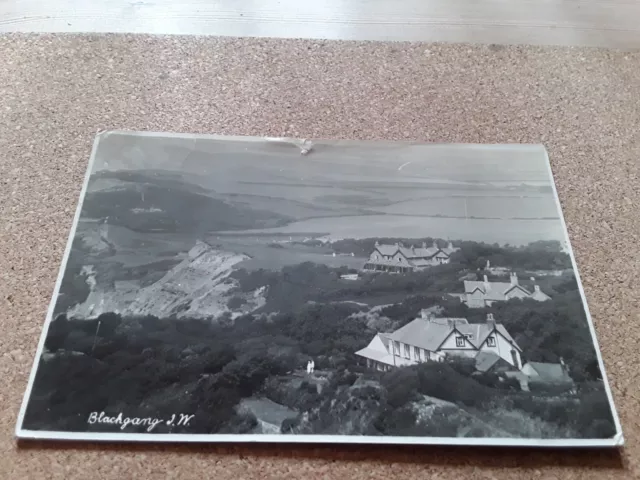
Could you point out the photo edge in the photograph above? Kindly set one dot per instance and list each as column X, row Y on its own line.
column 61, row 272
column 585, row 305
column 25, row 434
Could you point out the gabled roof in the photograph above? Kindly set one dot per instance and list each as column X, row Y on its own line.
column 477, row 333
column 422, row 333
column 389, row 263
column 540, row 295
column 449, row 250
column 430, row 334
column 382, row 353
column 492, row 290
column 414, row 252
column 550, row 372
column 425, row 333
column 387, row 249
column 422, row 252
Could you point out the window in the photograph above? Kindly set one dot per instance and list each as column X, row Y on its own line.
column 491, row 341
column 407, row 351
column 416, row 353
column 396, row 348
column 459, row 341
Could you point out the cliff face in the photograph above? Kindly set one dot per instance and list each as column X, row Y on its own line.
column 199, row 287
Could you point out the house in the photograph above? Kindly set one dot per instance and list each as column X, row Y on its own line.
column 480, row 294
column 428, row 338
column 398, row 258
column 547, row 375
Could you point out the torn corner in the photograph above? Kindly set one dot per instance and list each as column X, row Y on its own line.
column 304, row 145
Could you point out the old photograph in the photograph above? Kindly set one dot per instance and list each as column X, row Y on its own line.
column 250, row 289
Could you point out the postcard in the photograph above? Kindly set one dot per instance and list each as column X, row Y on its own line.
column 244, row 289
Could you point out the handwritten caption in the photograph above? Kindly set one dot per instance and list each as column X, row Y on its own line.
column 179, row 420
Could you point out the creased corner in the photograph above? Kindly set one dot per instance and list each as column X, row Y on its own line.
column 305, row 146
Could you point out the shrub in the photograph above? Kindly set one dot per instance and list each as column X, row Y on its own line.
column 57, row 333
column 401, row 421
column 289, row 425
column 594, row 418
column 440, row 380
column 402, row 386
column 462, row 365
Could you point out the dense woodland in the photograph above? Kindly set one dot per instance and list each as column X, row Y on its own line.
column 151, row 366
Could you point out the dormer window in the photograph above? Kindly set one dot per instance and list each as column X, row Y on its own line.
column 491, row 341
column 460, row 341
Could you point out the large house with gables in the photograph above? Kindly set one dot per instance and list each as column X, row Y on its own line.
column 480, row 294
column 398, row 258
column 428, row 338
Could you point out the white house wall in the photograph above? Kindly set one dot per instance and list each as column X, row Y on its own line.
column 450, row 343
column 502, row 349
column 399, row 258
column 475, row 299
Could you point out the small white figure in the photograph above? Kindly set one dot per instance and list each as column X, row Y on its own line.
column 308, row 367
column 313, row 366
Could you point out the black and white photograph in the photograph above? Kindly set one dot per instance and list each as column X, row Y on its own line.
column 276, row 290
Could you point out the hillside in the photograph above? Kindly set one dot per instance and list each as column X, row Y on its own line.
column 154, row 208
column 199, row 287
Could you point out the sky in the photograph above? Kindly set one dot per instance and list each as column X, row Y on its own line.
column 404, row 186
column 328, row 161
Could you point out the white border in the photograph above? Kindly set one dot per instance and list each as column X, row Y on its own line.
column 616, row 441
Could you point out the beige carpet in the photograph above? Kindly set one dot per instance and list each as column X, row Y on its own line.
column 56, row 92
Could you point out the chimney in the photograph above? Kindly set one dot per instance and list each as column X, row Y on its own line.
column 435, row 244
column 377, row 243
column 424, row 244
column 450, row 246
column 487, row 286
column 491, row 323
column 514, row 278
column 424, row 313
column 563, row 365
column 536, row 288
column 488, row 265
